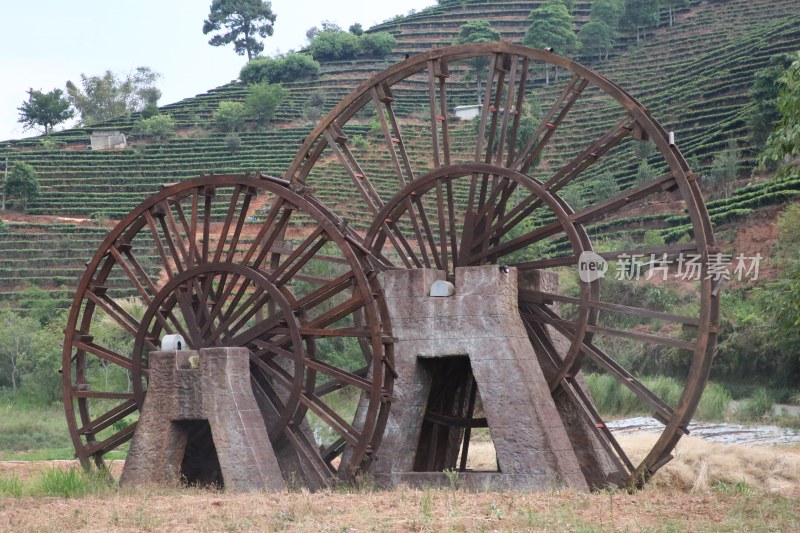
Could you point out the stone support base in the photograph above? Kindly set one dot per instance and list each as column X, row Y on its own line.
column 182, row 404
column 540, row 444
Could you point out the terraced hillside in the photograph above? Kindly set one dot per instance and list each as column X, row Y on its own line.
column 694, row 77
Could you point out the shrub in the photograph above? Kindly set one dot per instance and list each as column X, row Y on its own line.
column 756, row 408
column 378, row 44
column 334, row 45
column 22, row 183
column 233, row 142
column 714, row 403
column 230, row 115
column 263, row 100
column 158, row 127
column 288, row 68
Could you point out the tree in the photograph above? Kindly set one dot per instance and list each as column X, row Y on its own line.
column 22, row 184
column 478, row 31
column 335, row 44
column 596, row 38
column 551, row 27
column 673, row 5
column 640, row 15
column 783, row 145
column 377, row 44
column 158, row 127
column 356, row 29
column 608, row 11
column 108, row 96
column 263, row 100
column 243, row 20
column 288, row 68
column 17, row 344
column 230, row 115
column 45, row 110
column 764, row 94
column 725, row 168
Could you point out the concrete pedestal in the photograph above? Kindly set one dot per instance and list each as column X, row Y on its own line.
column 182, row 404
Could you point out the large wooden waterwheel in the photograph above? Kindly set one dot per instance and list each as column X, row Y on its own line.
column 235, row 261
column 558, row 164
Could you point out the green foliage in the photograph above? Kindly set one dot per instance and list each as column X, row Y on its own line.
column 714, row 403
column 230, row 115
column 45, row 110
column 290, row 67
column 672, row 5
column 764, row 114
column 596, row 38
column 233, row 142
column 156, row 127
column 552, row 27
column 356, row 29
column 640, row 15
column 783, row 145
column 604, row 186
column 645, row 172
column 72, row 483
column 608, row 11
column 478, row 31
column 335, row 45
column 262, row 101
column 10, row 487
column 243, row 21
column 105, row 97
column 725, row 168
column 22, row 183
column 756, row 408
column 612, row 398
column 378, row 44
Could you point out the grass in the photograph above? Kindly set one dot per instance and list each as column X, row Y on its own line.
column 724, row 508
column 612, row 399
column 72, row 482
column 33, row 432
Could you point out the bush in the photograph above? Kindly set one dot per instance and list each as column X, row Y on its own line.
column 263, row 100
column 378, row 44
column 291, row 67
column 230, row 115
column 157, row 127
column 332, row 45
column 22, row 183
column 756, row 408
column 714, row 403
column 233, row 142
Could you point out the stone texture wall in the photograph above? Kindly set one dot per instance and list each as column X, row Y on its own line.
column 219, row 391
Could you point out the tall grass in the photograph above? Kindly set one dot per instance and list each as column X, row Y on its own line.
column 756, row 408
column 611, row 398
column 72, row 483
column 58, row 483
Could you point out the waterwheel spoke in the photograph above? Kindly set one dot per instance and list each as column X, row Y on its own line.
column 669, row 251
column 549, row 124
column 518, row 109
column 337, row 140
column 590, row 155
column 663, row 411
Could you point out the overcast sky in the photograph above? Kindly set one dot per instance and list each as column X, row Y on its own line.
column 44, row 43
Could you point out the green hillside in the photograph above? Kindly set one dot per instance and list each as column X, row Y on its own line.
column 694, row 78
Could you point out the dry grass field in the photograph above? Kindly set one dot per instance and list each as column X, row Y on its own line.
column 708, row 487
